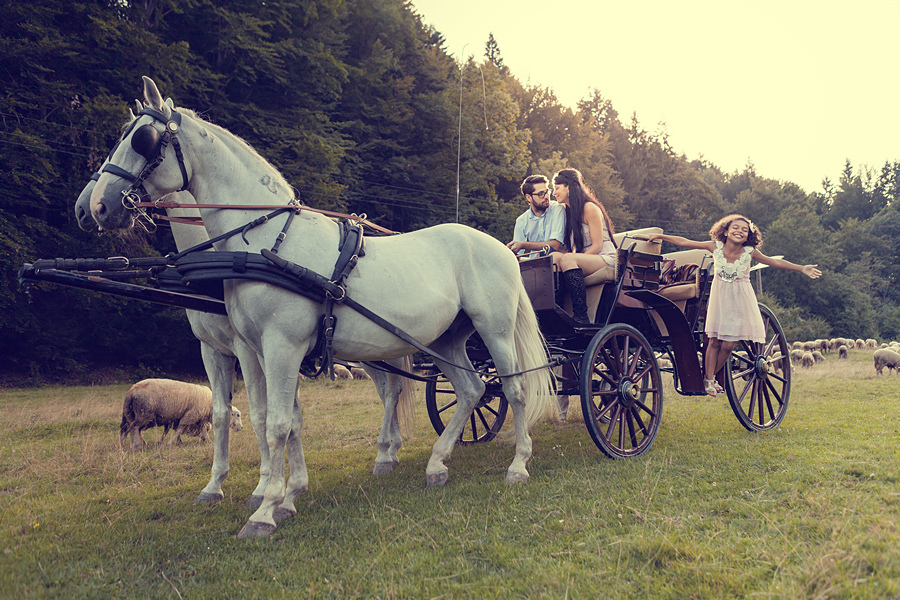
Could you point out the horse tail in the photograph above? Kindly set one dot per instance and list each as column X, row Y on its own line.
column 406, row 404
column 531, row 353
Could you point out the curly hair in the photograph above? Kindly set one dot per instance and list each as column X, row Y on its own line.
column 718, row 230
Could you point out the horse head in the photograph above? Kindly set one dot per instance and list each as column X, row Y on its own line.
column 137, row 169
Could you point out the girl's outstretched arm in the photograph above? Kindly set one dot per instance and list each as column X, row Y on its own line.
column 779, row 263
column 683, row 242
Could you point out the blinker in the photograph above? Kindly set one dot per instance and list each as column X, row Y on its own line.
column 145, row 141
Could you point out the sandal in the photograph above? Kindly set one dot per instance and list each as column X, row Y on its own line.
column 719, row 388
column 711, row 387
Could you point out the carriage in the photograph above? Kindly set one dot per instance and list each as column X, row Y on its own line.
column 646, row 312
column 272, row 288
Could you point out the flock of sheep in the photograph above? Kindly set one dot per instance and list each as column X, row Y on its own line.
column 183, row 407
column 187, row 408
column 807, row 354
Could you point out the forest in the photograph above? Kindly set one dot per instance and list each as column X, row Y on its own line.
column 363, row 109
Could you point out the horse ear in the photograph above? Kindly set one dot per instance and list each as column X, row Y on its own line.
column 170, row 102
column 154, row 98
column 139, row 106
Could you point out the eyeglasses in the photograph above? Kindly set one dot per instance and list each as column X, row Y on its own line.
column 540, row 195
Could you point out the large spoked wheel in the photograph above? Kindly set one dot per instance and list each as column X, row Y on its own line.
column 621, row 394
column 758, row 377
column 488, row 416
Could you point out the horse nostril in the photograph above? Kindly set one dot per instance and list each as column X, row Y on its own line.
column 102, row 209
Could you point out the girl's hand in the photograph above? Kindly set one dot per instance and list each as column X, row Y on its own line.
column 811, row 271
column 654, row 237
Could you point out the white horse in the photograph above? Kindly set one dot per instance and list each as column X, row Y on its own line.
column 220, row 346
column 438, row 285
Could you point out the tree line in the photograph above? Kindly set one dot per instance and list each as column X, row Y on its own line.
column 362, row 108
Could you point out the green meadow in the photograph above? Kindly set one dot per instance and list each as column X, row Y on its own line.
column 809, row 510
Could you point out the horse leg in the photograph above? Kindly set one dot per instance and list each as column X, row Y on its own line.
column 469, row 388
column 298, row 478
column 282, row 379
column 388, row 387
column 255, row 383
column 529, row 394
column 220, row 370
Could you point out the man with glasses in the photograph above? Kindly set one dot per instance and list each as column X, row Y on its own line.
column 543, row 224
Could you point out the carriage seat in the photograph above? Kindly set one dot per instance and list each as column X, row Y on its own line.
column 594, row 283
column 681, row 291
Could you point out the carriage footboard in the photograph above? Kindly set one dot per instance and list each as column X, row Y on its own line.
column 681, row 339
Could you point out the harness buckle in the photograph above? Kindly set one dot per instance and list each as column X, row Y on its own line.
column 337, row 299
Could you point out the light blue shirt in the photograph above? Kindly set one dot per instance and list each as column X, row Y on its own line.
column 549, row 226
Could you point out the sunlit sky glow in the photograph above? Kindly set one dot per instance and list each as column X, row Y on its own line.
column 795, row 87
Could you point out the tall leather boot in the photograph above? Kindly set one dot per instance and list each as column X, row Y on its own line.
column 575, row 282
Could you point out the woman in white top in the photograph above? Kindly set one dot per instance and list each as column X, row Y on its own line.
column 589, row 232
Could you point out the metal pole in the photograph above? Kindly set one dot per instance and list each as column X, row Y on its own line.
column 459, row 128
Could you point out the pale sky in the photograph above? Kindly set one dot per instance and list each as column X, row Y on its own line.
column 795, row 87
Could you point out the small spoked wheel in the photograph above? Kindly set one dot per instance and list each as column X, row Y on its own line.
column 488, row 416
column 621, row 394
column 758, row 377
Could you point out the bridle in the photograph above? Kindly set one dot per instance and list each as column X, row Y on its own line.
column 148, row 142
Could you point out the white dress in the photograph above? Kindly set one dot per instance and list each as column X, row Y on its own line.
column 732, row 313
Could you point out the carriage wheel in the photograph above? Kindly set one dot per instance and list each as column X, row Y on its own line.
column 758, row 377
column 488, row 416
column 621, row 394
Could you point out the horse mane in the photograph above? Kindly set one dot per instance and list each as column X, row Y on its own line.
column 221, row 131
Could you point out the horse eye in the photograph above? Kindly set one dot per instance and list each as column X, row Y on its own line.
column 145, row 141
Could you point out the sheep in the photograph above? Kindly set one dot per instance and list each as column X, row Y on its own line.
column 886, row 358
column 797, row 346
column 810, row 346
column 871, row 344
column 342, row 372
column 796, row 355
column 860, row 344
column 184, row 407
column 818, row 356
column 358, row 373
column 842, row 351
column 807, row 360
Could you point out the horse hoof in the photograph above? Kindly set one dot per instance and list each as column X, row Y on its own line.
column 205, row 498
column 255, row 529
column 254, row 502
column 438, row 479
column 281, row 514
column 513, row 477
column 383, row 468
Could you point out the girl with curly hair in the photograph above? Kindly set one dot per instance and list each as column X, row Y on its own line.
column 732, row 312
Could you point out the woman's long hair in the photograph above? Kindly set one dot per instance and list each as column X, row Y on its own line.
column 579, row 194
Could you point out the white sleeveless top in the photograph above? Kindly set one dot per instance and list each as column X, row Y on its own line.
column 608, row 249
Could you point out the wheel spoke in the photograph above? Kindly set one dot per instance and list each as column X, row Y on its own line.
column 631, row 432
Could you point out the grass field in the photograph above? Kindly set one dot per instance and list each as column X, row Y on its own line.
column 809, row 510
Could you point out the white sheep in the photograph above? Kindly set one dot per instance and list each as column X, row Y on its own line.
column 842, row 351
column 871, row 344
column 818, row 356
column 342, row 372
column 807, row 360
column 184, row 407
column 797, row 346
column 860, row 344
column 359, row 373
column 796, row 355
column 886, row 358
